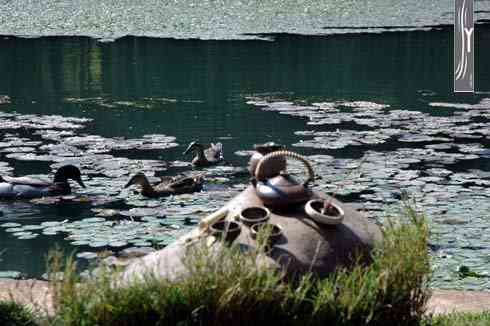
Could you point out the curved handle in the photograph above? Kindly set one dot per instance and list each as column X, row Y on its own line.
column 259, row 174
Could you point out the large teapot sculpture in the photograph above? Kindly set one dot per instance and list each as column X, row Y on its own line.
column 282, row 190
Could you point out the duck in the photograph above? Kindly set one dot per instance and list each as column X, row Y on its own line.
column 205, row 157
column 168, row 185
column 27, row 187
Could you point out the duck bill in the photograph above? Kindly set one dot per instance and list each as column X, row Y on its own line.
column 130, row 182
column 188, row 150
column 80, row 182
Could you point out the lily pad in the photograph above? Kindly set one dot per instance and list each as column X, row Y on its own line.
column 27, row 236
column 10, row 225
column 11, row 274
column 98, row 244
column 118, row 244
column 13, row 230
column 32, row 227
column 87, row 255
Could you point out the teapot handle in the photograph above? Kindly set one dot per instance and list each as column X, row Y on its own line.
column 259, row 174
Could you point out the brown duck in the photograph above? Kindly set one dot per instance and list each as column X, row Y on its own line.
column 168, row 185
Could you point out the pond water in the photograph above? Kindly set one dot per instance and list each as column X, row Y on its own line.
column 374, row 112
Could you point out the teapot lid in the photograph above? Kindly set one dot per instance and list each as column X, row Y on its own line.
column 282, row 191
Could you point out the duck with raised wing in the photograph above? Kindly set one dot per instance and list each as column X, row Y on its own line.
column 27, row 187
column 168, row 185
column 205, row 157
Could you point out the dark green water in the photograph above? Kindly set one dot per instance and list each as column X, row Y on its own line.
column 206, row 83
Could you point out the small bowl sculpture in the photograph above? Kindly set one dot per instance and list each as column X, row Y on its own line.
column 275, row 232
column 225, row 230
column 254, row 215
column 332, row 214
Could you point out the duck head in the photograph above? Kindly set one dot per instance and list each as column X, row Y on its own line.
column 68, row 172
column 192, row 147
column 137, row 179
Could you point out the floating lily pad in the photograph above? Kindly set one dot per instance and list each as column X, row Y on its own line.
column 22, row 233
column 87, row 255
column 142, row 212
column 10, row 225
column 117, row 244
column 32, row 227
column 13, row 230
column 81, row 243
column 11, row 274
column 102, row 212
column 27, row 236
column 93, row 220
column 51, row 224
column 98, row 244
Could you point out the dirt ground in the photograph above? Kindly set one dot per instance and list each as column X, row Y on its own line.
column 34, row 293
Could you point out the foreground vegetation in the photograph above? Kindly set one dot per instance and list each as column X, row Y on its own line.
column 231, row 287
column 460, row 319
column 13, row 314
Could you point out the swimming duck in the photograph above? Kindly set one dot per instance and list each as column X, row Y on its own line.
column 205, row 157
column 168, row 185
column 26, row 187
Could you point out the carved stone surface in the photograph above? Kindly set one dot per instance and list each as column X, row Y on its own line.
column 305, row 245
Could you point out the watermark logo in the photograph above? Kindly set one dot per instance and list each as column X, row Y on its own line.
column 463, row 46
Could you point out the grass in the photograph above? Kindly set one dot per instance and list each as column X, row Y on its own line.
column 231, row 287
column 13, row 314
column 460, row 319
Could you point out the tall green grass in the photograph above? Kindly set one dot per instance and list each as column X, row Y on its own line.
column 13, row 314
column 227, row 287
column 459, row 319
